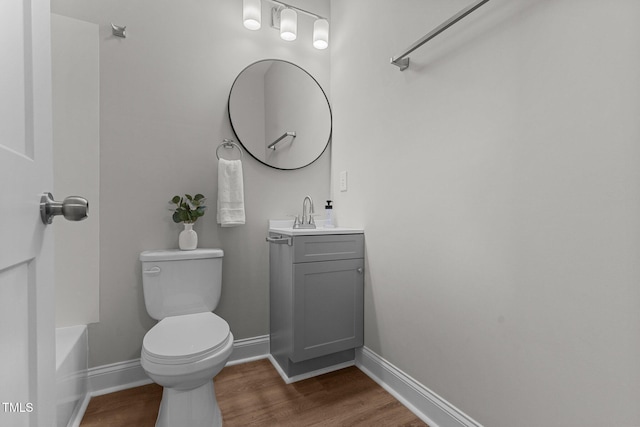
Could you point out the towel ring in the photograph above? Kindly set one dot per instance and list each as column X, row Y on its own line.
column 228, row 143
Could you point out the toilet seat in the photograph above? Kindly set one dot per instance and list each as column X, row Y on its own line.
column 185, row 339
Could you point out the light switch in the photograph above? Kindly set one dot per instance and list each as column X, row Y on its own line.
column 343, row 181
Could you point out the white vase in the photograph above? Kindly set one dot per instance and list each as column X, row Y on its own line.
column 188, row 239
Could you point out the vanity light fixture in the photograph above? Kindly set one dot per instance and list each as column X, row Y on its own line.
column 284, row 17
column 252, row 14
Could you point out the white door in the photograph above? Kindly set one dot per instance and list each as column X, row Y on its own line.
column 27, row 342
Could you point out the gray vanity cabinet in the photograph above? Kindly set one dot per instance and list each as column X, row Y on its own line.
column 316, row 300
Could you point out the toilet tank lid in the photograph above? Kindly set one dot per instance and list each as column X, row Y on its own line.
column 177, row 254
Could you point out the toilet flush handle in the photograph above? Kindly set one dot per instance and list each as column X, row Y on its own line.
column 155, row 270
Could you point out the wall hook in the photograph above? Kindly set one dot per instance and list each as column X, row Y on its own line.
column 119, row 31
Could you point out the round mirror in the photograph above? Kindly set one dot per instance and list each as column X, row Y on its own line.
column 280, row 114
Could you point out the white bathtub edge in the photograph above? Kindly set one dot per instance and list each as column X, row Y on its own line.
column 71, row 372
column 70, row 335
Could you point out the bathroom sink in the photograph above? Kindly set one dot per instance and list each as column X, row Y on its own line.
column 285, row 226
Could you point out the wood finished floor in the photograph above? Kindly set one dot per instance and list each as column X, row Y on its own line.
column 253, row 394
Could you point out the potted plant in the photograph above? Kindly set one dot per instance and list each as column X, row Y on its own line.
column 187, row 211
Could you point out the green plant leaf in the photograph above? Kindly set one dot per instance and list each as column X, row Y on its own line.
column 188, row 209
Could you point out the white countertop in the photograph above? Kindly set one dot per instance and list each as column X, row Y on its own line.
column 285, row 226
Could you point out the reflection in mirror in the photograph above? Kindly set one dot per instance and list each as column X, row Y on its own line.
column 280, row 114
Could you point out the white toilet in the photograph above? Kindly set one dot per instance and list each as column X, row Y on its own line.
column 189, row 345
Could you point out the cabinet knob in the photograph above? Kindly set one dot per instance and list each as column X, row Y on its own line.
column 360, row 270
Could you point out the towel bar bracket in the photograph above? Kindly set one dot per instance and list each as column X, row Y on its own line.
column 402, row 63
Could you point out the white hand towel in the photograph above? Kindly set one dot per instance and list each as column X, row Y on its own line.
column 230, row 193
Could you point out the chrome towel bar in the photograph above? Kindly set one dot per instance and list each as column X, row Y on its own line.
column 403, row 63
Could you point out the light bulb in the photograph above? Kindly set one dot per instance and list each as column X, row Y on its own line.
column 252, row 14
column 288, row 24
column 321, row 34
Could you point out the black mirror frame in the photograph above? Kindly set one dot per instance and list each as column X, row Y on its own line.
column 323, row 93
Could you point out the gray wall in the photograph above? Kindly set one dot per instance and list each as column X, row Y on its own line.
column 499, row 186
column 75, row 83
column 163, row 96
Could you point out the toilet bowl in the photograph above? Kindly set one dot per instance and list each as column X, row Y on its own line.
column 189, row 345
column 183, row 354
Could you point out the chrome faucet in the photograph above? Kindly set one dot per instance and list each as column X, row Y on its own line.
column 304, row 211
column 307, row 220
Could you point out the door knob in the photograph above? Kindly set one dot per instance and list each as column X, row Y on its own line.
column 73, row 208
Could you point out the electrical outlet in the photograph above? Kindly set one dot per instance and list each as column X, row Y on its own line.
column 343, row 181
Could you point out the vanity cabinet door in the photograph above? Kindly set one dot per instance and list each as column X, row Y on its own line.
column 328, row 305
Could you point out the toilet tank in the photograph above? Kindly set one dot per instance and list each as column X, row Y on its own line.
column 179, row 282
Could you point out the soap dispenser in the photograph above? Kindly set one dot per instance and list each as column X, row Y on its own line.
column 329, row 215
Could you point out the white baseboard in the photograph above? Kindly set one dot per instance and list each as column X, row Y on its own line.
column 249, row 349
column 123, row 375
column 116, row 376
column 128, row 374
column 427, row 405
column 78, row 413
